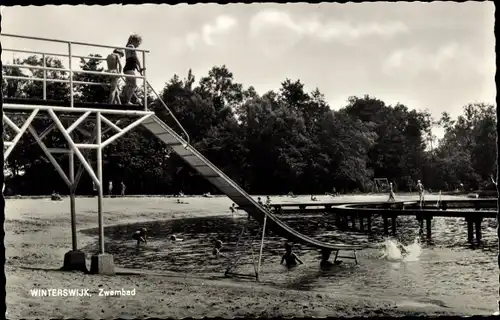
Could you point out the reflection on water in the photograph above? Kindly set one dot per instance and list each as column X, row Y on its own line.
column 448, row 269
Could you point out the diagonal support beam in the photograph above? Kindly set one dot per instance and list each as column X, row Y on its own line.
column 81, row 168
column 73, row 146
column 84, row 132
column 78, row 122
column 125, row 130
column 11, row 123
column 47, row 131
column 110, row 124
column 49, row 155
column 20, row 131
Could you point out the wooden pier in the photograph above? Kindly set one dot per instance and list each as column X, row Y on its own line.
column 361, row 214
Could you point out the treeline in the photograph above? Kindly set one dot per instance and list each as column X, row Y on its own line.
column 281, row 141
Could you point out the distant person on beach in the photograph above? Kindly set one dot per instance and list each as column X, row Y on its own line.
column 217, row 248
column 123, row 189
column 132, row 64
column 420, row 188
column 232, row 208
column 110, row 187
column 179, row 201
column 55, row 196
column 140, row 236
column 114, row 66
column 391, row 193
column 290, row 258
column 207, row 195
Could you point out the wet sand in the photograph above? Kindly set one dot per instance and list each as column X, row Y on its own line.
column 38, row 235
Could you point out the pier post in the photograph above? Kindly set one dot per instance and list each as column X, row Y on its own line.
column 394, row 217
column 470, row 230
column 361, row 223
column 478, row 229
column 369, row 222
column 420, row 220
column 386, row 225
column 353, row 222
column 337, row 219
column 428, row 221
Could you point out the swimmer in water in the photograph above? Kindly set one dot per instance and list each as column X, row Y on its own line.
column 140, row 236
column 290, row 258
column 174, row 238
column 217, row 248
column 313, row 198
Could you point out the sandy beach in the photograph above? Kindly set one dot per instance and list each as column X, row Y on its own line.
column 38, row 235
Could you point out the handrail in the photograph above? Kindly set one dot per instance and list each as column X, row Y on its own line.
column 50, row 54
column 70, row 56
column 100, row 73
column 88, row 44
column 72, row 72
column 188, row 139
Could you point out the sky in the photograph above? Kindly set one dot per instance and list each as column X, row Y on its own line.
column 437, row 56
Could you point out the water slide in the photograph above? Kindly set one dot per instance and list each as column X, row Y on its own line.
column 208, row 170
column 231, row 189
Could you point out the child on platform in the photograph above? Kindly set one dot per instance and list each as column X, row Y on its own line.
column 114, row 66
column 132, row 65
column 290, row 258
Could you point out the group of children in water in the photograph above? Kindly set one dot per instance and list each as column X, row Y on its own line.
column 289, row 258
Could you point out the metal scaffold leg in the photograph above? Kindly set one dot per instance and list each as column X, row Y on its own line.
column 229, row 271
column 75, row 259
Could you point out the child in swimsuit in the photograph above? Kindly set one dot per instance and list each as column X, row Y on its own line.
column 140, row 236
column 217, row 248
column 114, row 66
column 131, row 65
column 289, row 257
